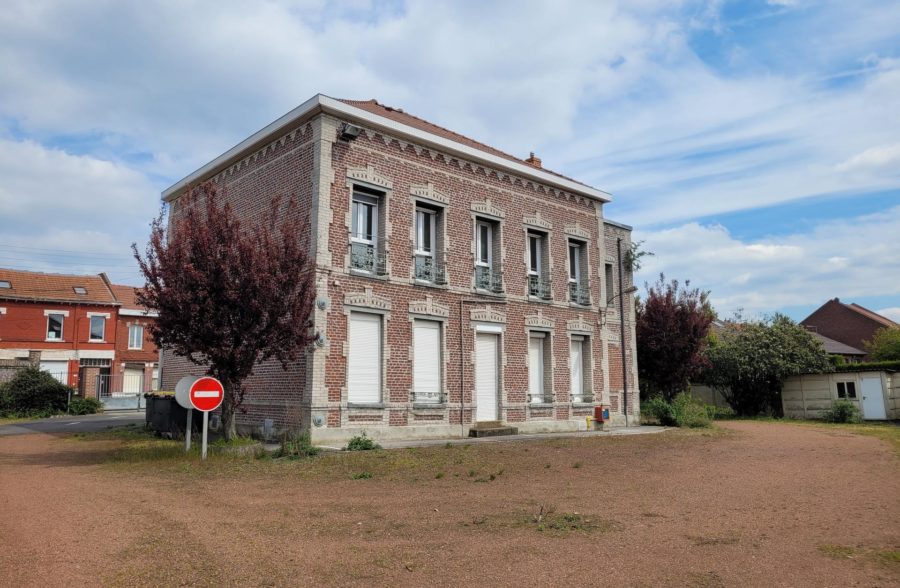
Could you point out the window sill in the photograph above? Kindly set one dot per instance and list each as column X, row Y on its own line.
column 135, row 349
column 54, row 340
column 579, row 305
column 365, row 405
column 96, row 341
column 540, row 404
column 583, row 404
column 364, row 274
column 482, row 292
column 539, row 299
column 428, row 284
column 429, row 406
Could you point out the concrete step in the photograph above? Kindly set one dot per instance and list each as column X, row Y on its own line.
column 487, row 424
column 494, row 431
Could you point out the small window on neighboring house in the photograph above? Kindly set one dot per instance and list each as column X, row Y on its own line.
column 610, row 284
column 5, row 284
column 55, row 327
column 79, row 290
column 98, row 326
column 846, row 389
column 135, row 337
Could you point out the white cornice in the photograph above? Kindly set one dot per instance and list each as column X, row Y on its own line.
column 136, row 312
column 322, row 103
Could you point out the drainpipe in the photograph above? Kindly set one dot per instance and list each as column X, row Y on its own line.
column 622, row 328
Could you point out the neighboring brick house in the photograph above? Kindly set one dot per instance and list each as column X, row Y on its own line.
column 70, row 326
column 456, row 284
column 850, row 324
column 137, row 358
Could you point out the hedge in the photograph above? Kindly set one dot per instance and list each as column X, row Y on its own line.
column 872, row 366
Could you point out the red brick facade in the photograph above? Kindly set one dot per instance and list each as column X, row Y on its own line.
column 312, row 161
column 849, row 324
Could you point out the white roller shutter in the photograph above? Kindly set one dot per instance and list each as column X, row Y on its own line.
column 486, row 376
column 576, row 370
column 536, row 368
column 133, row 381
column 364, row 361
column 427, row 361
column 58, row 369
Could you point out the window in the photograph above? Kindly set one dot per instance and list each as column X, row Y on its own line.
column 535, row 248
column 154, row 379
column 5, row 284
column 574, row 262
column 364, row 359
column 539, row 367
column 610, row 285
column 98, row 328
column 538, row 264
column 425, row 233
column 427, row 361
column 55, row 326
column 364, row 218
column 846, row 389
column 80, row 290
column 485, row 236
column 579, row 293
column 580, row 368
column 135, row 337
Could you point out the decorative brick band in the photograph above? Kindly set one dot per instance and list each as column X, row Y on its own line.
column 576, row 231
column 429, row 307
column 485, row 207
column 428, row 192
column 538, row 221
column 369, row 175
column 487, row 315
column 580, row 324
column 539, row 320
column 367, row 299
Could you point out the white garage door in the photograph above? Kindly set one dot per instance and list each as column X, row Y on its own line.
column 364, row 361
column 133, row 381
column 427, row 361
column 486, row 381
column 58, row 369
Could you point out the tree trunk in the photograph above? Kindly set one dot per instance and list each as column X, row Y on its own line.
column 229, row 404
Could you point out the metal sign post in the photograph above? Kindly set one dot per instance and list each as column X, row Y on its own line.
column 187, row 430
column 206, row 395
column 205, row 428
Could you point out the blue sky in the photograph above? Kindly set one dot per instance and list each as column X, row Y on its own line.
column 754, row 146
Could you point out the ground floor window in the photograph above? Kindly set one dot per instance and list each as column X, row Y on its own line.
column 580, row 368
column 539, row 368
column 364, row 358
column 427, row 363
column 846, row 389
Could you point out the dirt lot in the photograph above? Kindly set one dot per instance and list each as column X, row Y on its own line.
column 756, row 504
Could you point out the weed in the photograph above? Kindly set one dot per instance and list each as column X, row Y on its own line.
column 297, row 447
column 577, row 465
column 362, row 476
column 713, row 540
column 361, row 443
column 439, row 475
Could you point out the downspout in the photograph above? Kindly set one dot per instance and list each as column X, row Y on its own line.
column 622, row 329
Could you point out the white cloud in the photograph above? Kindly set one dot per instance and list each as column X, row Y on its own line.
column 847, row 258
column 892, row 313
column 884, row 158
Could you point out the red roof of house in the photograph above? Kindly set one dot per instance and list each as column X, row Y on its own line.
column 26, row 285
column 125, row 295
column 398, row 115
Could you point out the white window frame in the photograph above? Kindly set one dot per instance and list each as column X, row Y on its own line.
column 62, row 326
column 586, row 386
column 91, row 319
column 576, row 248
column 542, row 337
column 138, row 328
column 535, row 249
column 424, row 215
column 440, row 361
column 479, row 248
column 358, row 207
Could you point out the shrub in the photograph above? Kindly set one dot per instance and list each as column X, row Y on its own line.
column 85, row 406
column 361, row 443
column 842, row 411
column 717, row 413
column 683, row 411
column 297, row 447
column 33, row 392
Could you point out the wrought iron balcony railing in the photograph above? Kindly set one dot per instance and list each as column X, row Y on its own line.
column 428, row 269
column 579, row 293
column 489, row 279
column 539, row 287
column 367, row 258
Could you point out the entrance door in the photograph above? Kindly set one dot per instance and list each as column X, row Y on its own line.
column 873, row 400
column 486, row 376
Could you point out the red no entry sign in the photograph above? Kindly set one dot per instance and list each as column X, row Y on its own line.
column 206, row 394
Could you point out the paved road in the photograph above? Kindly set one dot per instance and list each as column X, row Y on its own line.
column 75, row 424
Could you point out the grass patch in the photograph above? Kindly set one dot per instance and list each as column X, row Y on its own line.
column 362, row 476
column 889, row 556
column 882, row 430
column 699, row 540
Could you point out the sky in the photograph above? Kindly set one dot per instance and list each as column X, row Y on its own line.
column 754, row 146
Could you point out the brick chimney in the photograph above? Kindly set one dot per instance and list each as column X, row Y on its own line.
column 534, row 161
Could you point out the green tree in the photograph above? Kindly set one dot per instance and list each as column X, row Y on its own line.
column 885, row 344
column 748, row 362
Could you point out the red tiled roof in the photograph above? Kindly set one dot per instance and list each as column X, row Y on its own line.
column 872, row 315
column 398, row 115
column 55, row 287
column 125, row 295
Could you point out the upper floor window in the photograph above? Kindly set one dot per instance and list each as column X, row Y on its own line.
column 610, row 283
column 429, row 265
column 135, row 337
column 366, row 222
column 98, row 328
column 55, row 326
column 487, row 255
column 577, row 269
column 538, row 264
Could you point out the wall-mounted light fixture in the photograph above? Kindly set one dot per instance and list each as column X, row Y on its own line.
column 349, row 132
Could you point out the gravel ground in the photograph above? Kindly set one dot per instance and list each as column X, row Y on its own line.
column 760, row 504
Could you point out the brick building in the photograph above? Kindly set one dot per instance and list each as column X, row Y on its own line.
column 76, row 328
column 456, row 284
column 850, row 324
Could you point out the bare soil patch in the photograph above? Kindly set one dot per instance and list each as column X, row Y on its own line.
column 753, row 504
